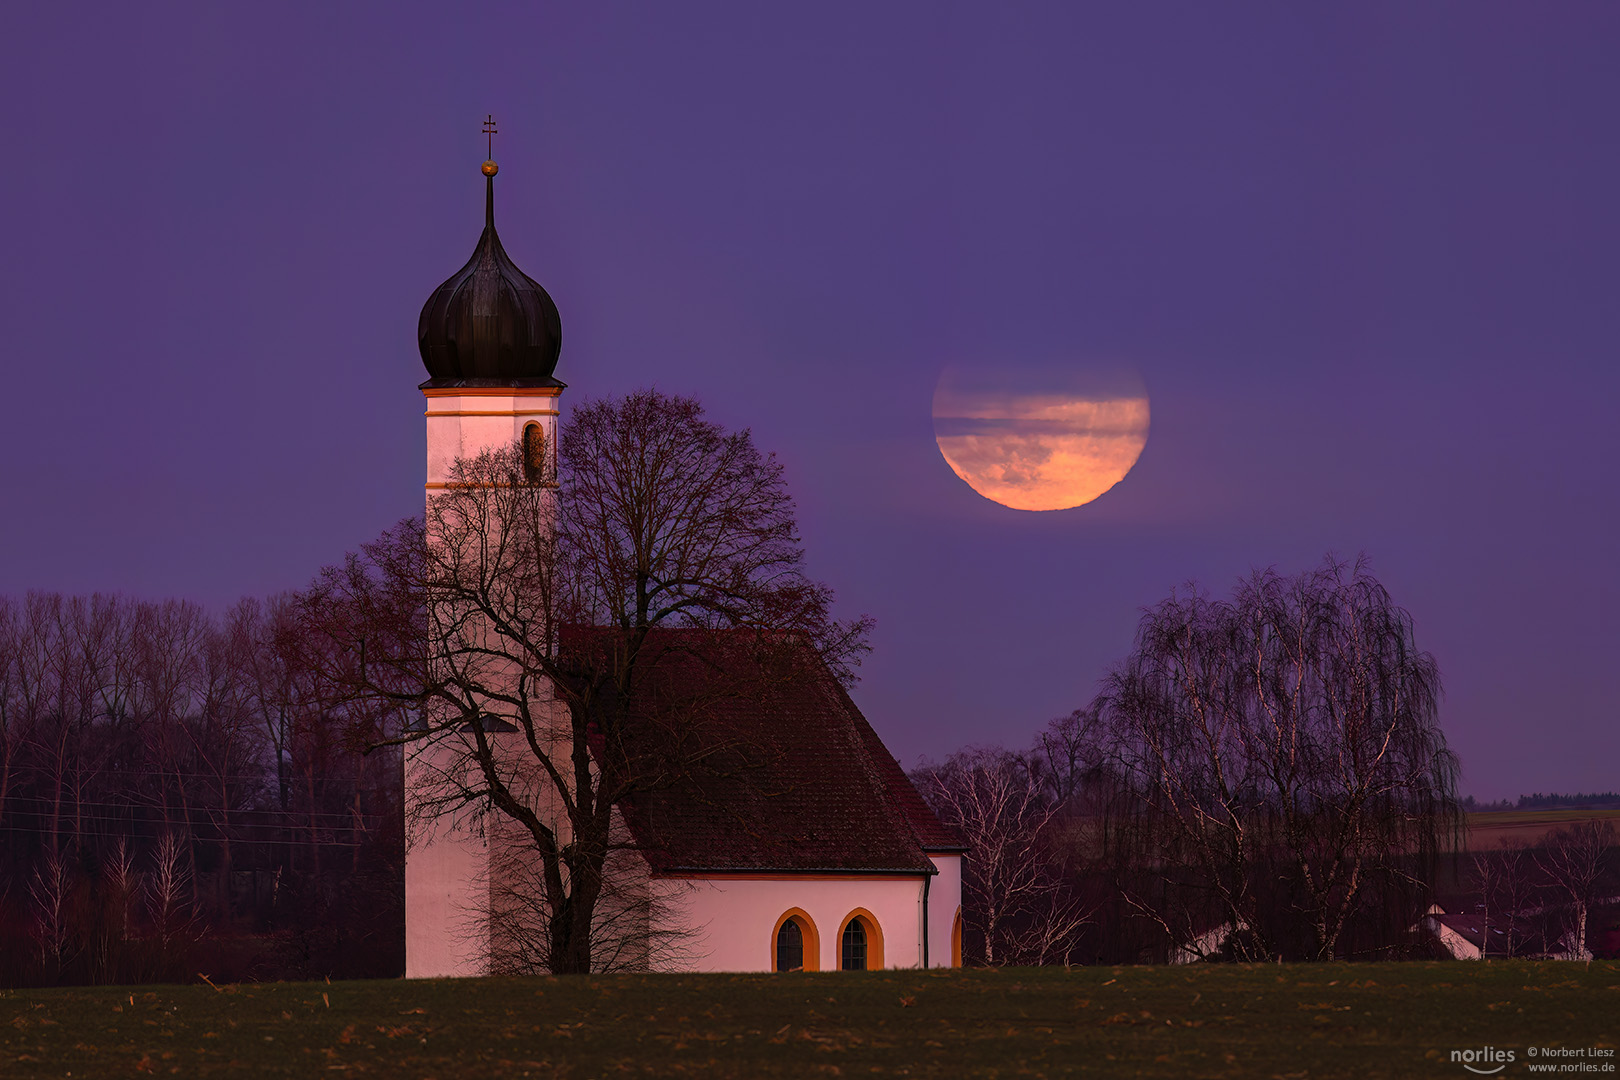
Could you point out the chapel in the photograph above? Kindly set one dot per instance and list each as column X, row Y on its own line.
column 820, row 855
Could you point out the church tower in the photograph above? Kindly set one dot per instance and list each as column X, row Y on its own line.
column 489, row 338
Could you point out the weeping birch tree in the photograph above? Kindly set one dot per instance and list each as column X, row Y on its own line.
column 1288, row 780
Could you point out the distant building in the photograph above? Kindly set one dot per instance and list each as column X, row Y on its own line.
column 1206, row 945
column 1538, row 933
column 845, row 866
column 1462, row 937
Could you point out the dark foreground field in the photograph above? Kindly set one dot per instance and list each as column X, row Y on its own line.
column 1341, row 1020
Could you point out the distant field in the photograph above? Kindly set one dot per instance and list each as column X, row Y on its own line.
column 1493, row 828
column 1337, row 1020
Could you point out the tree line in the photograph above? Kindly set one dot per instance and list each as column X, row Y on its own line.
column 175, row 797
column 1604, row 800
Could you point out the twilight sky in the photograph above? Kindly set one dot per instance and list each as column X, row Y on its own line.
column 1364, row 257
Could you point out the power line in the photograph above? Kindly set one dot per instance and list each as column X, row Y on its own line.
column 114, row 770
column 45, row 808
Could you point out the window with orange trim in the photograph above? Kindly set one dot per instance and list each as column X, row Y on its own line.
column 795, row 945
column 854, row 947
column 534, row 453
column 790, row 947
column 860, row 945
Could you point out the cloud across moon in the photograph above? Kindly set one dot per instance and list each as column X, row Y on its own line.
column 1040, row 440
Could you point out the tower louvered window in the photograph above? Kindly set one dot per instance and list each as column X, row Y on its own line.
column 534, row 453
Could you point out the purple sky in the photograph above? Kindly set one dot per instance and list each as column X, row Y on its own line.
column 1365, row 258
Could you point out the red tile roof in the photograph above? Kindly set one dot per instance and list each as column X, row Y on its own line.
column 933, row 834
column 777, row 770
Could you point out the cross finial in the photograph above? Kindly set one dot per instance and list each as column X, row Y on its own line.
column 489, row 133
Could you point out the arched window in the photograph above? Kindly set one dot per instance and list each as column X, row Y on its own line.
column 854, row 946
column 795, row 945
column 956, row 940
column 860, row 946
column 534, row 453
column 790, row 947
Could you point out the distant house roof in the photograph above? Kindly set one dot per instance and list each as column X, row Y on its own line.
column 1465, row 935
column 776, row 771
column 1471, row 928
column 1206, row 943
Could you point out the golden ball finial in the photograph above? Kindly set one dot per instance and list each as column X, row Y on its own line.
column 489, row 168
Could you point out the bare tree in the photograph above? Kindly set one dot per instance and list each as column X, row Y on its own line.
column 1014, row 893
column 1508, row 882
column 1484, row 872
column 1578, row 861
column 169, row 897
column 297, row 713
column 225, row 744
column 1073, row 749
column 120, row 885
column 166, row 644
column 1283, row 758
column 51, row 891
column 1515, row 888
column 454, row 634
column 10, row 720
column 263, row 639
column 66, row 650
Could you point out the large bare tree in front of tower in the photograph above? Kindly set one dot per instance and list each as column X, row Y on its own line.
column 519, row 627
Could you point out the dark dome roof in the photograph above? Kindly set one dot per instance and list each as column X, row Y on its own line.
column 490, row 320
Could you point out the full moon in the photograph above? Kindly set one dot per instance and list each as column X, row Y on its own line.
column 1040, row 439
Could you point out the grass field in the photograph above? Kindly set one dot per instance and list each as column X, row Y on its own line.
column 1559, row 816
column 1296, row 1021
column 1493, row 828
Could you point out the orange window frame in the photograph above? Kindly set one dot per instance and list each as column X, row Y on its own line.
column 812, row 938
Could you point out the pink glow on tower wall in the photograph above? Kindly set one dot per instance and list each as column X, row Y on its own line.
column 446, row 868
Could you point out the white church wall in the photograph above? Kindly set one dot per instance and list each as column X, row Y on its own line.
column 944, row 901
column 734, row 920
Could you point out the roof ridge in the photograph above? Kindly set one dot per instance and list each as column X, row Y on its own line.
column 824, row 798
column 864, row 736
column 896, row 785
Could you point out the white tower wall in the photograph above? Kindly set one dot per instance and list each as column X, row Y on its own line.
column 447, row 869
column 464, row 421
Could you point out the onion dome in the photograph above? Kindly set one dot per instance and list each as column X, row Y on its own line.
column 490, row 322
